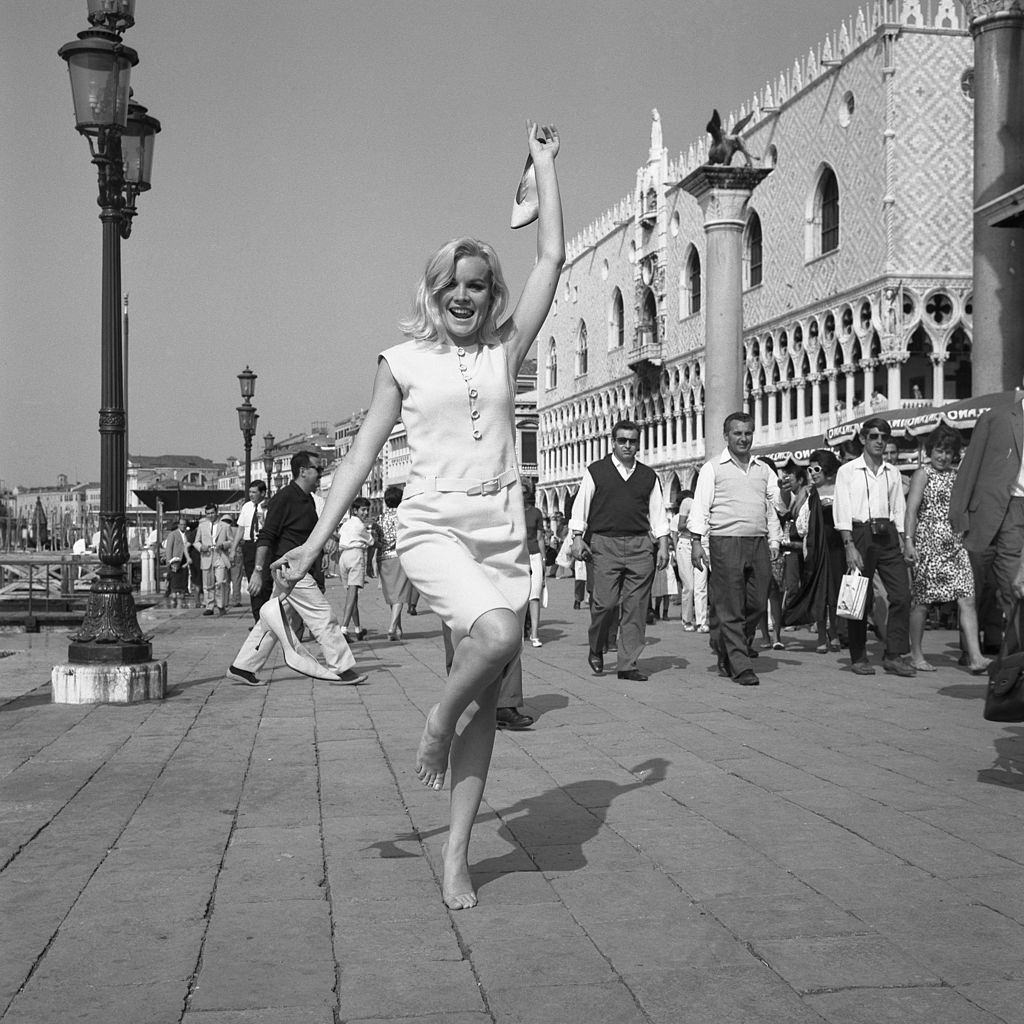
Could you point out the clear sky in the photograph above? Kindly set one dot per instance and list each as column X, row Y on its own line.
column 313, row 154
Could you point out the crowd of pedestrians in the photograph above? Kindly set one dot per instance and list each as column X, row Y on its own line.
column 763, row 546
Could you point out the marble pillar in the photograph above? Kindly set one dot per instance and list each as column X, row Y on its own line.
column 723, row 194
column 998, row 354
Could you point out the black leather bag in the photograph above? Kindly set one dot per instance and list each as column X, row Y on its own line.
column 1004, row 699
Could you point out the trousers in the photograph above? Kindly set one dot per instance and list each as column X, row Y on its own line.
column 623, row 572
column 738, row 591
column 882, row 554
column 308, row 600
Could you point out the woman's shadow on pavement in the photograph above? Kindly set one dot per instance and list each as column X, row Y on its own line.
column 558, row 821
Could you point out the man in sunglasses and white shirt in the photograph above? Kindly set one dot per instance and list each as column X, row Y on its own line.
column 869, row 511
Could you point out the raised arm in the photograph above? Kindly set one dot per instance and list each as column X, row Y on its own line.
column 519, row 331
column 385, row 408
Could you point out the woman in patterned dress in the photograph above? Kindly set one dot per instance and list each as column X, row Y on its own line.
column 942, row 570
column 462, row 534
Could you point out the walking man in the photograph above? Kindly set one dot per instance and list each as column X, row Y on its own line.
column 618, row 509
column 868, row 511
column 291, row 516
column 213, row 538
column 735, row 505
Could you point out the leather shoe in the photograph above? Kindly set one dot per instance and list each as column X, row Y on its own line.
column 899, row 667
column 245, row 676
column 634, row 676
column 748, row 678
column 512, row 718
column 596, row 663
column 862, row 668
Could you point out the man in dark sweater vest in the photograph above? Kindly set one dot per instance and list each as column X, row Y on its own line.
column 617, row 510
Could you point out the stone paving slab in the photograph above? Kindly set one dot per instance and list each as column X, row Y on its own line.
column 824, row 848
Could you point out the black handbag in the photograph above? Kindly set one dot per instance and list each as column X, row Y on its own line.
column 1004, row 699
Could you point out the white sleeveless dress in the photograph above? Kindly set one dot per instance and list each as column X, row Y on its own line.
column 465, row 553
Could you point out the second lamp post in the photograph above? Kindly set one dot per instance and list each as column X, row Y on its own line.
column 247, row 417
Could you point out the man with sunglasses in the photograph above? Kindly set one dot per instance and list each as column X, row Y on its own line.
column 869, row 511
column 617, row 510
column 291, row 516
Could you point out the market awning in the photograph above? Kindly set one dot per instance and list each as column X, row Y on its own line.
column 175, row 500
column 913, row 422
column 798, row 450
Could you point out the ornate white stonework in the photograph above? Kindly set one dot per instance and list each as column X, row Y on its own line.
column 880, row 103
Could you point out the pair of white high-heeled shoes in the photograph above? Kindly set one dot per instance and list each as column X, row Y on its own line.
column 296, row 655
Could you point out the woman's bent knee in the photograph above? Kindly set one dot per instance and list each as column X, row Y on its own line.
column 499, row 631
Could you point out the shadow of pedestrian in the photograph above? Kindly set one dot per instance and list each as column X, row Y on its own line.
column 551, row 828
column 545, row 702
column 1008, row 769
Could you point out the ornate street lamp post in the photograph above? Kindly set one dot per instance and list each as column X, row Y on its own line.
column 247, row 417
column 268, row 459
column 111, row 659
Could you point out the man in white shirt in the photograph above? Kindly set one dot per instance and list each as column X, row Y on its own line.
column 617, row 510
column 250, row 521
column 869, row 511
column 735, row 506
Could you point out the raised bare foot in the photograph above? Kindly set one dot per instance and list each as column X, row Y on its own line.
column 457, row 888
column 432, row 755
column 980, row 668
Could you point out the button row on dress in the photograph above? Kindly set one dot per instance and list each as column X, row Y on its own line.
column 474, row 413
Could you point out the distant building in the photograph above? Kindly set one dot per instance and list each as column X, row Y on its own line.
column 151, row 472
column 857, row 260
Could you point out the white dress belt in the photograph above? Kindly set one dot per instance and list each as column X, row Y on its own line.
column 469, row 487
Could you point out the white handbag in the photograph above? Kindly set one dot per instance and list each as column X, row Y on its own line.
column 853, row 595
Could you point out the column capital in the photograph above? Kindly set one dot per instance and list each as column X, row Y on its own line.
column 723, row 192
column 978, row 10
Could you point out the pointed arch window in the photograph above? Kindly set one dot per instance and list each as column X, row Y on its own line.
column 582, row 357
column 752, row 251
column 616, row 321
column 693, row 282
column 828, row 190
column 551, row 367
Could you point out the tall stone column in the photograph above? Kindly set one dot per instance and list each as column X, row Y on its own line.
column 723, row 194
column 998, row 30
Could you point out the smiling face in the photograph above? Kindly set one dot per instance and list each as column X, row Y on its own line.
column 942, row 457
column 466, row 300
column 739, row 436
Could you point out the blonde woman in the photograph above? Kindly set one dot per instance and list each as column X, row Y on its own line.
column 461, row 536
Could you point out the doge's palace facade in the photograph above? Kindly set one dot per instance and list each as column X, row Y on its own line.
column 857, row 260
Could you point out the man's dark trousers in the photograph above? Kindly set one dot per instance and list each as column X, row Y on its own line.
column 882, row 554
column 248, row 567
column 623, row 575
column 738, row 596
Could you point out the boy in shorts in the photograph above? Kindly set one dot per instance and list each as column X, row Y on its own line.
column 353, row 540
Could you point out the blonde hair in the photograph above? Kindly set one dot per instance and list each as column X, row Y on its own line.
column 425, row 323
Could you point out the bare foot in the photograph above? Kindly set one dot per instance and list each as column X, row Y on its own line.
column 432, row 755
column 457, row 888
column 980, row 668
column 923, row 666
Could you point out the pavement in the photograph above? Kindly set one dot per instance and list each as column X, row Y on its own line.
column 825, row 847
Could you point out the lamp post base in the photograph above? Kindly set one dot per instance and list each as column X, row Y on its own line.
column 99, row 683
